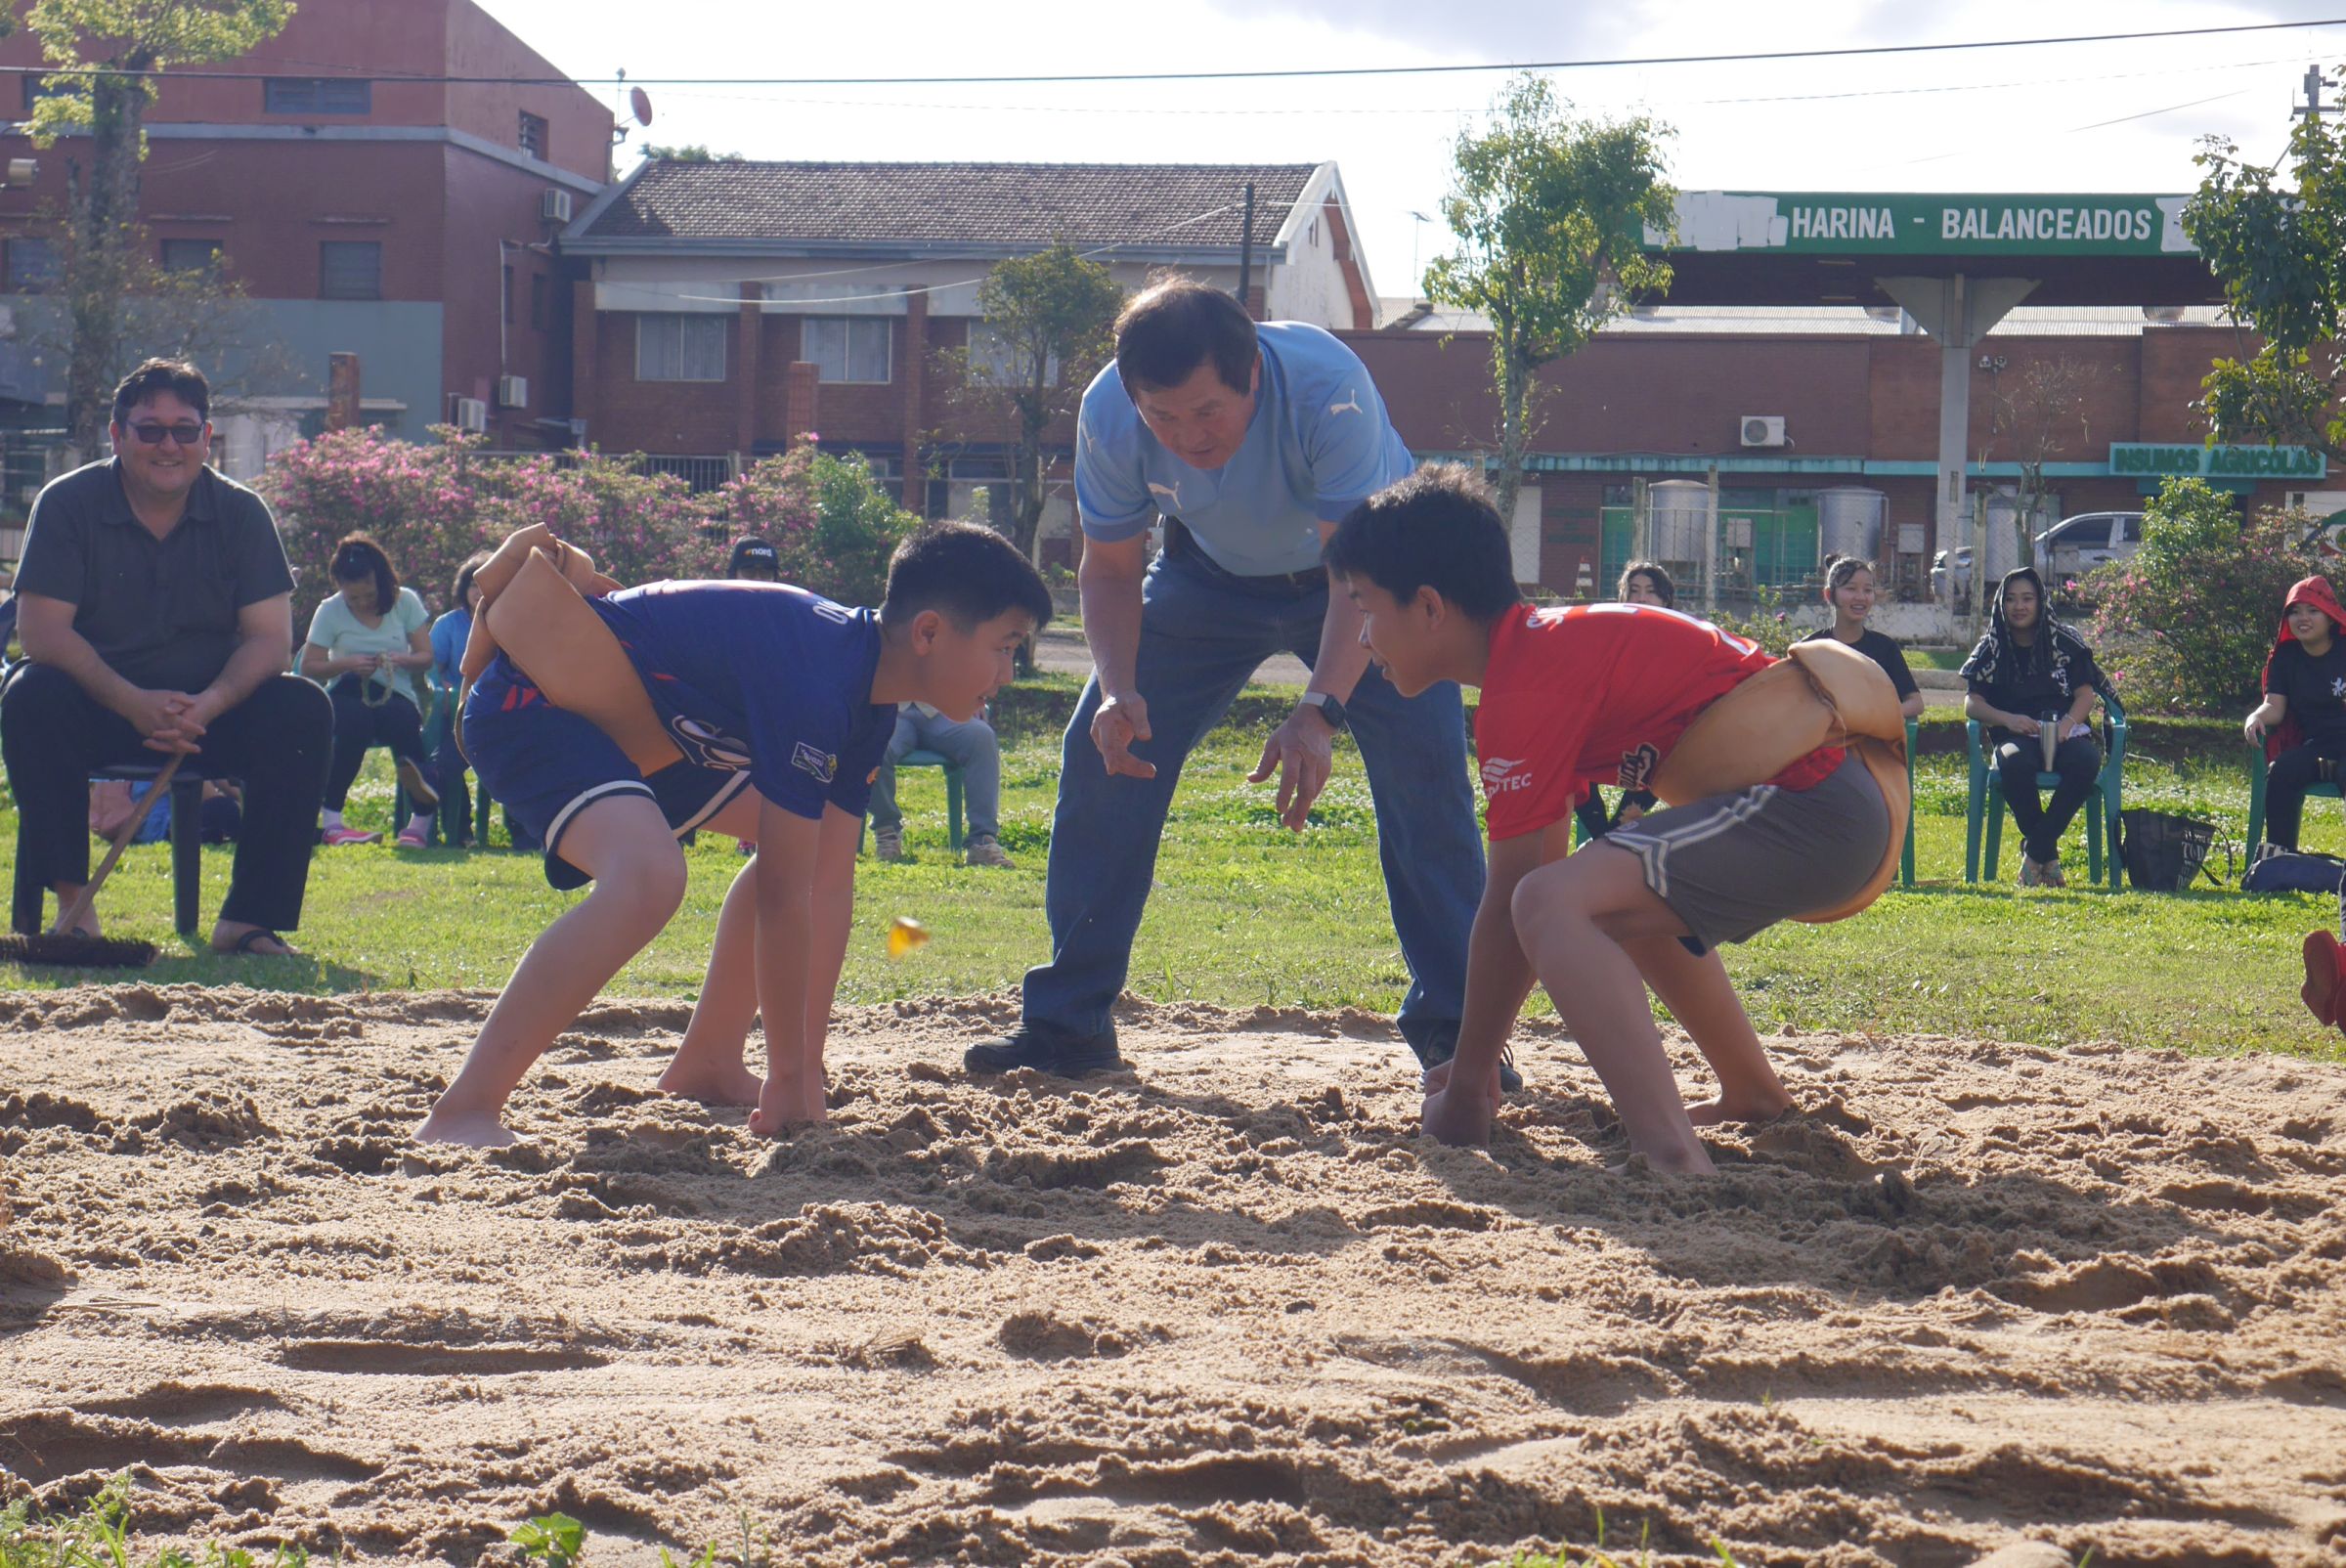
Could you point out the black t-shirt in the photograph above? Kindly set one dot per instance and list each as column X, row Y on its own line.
column 2316, row 688
column 1883, row 650
column 2032, row 681
column 160, row 612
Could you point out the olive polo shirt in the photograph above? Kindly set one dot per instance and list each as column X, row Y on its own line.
column 160, row 612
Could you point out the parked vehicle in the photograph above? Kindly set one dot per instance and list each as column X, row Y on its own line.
column 2075, row 546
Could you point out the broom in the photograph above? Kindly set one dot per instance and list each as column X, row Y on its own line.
column 67, row 948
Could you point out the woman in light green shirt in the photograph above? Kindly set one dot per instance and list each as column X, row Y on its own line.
column 363, row 644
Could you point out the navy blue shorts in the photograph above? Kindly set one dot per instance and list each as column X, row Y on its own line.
column 547, row 764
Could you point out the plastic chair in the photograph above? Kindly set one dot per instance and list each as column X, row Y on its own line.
column 1987, row 804
column 449, row 818
column 187, row 848
column 2258, row 769
column 953, row 772
column 1906, row 856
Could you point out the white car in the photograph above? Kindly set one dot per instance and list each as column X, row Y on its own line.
column 2075, row 546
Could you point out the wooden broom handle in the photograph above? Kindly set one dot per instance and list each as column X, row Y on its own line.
column 68, row 919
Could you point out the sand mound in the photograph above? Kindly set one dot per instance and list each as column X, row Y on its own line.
column 1224, row 1308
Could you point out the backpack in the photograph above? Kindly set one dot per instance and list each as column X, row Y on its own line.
column 2164, row 852
column 2279, row 870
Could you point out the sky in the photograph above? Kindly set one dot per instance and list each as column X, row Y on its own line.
column 2076, row 118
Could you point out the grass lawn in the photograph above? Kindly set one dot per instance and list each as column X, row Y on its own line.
column 1246, row 914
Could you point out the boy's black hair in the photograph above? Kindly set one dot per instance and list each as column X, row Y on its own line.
column 175, row 376
column 967, row 573
column 1436, row 529
column 1176, row 324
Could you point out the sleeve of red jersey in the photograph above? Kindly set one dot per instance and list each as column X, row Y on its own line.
column 1530, row 752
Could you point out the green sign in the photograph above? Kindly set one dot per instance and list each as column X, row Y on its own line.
column 1903, row 223
column 2146, row 460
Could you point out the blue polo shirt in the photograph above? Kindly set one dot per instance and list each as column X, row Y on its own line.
column 1318, row 445
column 766, row 677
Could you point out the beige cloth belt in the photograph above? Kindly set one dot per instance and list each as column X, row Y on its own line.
column 1825, row 693
column 534, row 593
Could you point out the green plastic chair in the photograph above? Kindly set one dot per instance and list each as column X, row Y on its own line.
column 1906, row 856
column 953, row 772
column 435, row 728
column 2258, row 767
column 1984, row 820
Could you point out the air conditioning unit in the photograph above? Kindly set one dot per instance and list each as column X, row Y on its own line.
column 1763, row 430
column 554, row 205
column 512, row 391
column 469, row 413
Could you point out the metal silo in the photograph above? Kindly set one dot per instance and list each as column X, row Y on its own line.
column 1849, row 522
column 1683, row 525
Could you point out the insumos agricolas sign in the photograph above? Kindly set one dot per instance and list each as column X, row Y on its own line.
column 2152, row 459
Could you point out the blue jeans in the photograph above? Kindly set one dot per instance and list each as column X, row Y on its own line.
column 1202, row 635
column 971, row 745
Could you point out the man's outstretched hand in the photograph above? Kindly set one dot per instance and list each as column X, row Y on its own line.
column 1303, row 750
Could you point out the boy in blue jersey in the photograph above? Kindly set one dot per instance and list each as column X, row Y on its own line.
column 782, row 704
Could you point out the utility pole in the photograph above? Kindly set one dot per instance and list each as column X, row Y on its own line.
column 2313, row 106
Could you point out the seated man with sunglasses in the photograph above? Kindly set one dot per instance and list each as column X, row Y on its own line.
column 156, row 616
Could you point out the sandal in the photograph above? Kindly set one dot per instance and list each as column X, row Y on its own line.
column 419, row 788
column 248, row 946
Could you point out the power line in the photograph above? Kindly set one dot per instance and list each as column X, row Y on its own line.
column 1323, row 72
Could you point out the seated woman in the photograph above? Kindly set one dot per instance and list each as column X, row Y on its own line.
column 363, row 643
column 2031, row 672
column 1641, row 582
column 449, row 635
column 1850, row 588
column 2302, row 721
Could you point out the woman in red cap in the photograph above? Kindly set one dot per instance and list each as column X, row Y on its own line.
column 2302, row 720
column 2302, row 725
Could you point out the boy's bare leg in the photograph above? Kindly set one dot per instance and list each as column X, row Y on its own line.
column 624, row 843
column 1572, row 917
column 708, row 1065
column 1701, row 997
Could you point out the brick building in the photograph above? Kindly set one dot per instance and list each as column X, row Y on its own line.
column 1844, row 401
column 731, row 307
column 409, row 220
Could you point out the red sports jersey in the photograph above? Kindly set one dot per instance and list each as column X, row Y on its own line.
column 1595, row 694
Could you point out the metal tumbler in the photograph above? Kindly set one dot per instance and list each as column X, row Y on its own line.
column 2048, row 737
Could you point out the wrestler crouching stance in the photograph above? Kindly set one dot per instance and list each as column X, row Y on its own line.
column 1765, row 821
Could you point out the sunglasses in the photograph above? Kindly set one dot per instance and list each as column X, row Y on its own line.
column 150, row 433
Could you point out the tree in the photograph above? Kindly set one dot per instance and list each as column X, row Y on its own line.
column 2278, row 253
column 106, row 53
column 2036, row 414
column 1047, row 328
column 696, row 153
column 1551, row 214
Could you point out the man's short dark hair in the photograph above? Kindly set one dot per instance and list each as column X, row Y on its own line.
column 966, row 573
column 176, row 376
column 1174, row 325
column 1436, row 529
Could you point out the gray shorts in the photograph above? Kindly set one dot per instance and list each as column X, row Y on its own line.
column 1732, row 865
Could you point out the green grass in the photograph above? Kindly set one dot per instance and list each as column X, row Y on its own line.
column 1245, row 913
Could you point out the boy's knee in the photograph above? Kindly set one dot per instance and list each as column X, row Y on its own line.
column 1541, row 897
column 650, row 882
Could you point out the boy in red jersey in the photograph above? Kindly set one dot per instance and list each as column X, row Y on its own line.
column 1600, row 695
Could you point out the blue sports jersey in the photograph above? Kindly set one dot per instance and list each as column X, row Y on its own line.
column 1318, row 445
column 764, row 677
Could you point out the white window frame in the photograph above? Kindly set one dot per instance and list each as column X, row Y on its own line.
column 653, row 364
column 847, row 326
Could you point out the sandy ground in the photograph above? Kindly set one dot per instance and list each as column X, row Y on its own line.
column 1224, row 1308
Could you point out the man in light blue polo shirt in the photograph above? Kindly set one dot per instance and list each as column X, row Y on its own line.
column 1252, row 443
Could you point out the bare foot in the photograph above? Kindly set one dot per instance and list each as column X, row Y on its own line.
column 711, row 1085
column 477, row 1131
column 1716, row 1109
column 1642, row 1161
column 784, row 1104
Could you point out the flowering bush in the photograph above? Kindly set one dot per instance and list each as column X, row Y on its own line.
column 433, row 505
column 830, row 520
column 2184, row 625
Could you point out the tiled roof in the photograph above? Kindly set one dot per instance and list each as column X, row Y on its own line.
column 1154, row 204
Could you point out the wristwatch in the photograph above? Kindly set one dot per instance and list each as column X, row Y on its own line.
column 1330, row 710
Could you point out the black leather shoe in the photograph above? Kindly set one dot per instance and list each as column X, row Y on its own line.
column 1045, row 1049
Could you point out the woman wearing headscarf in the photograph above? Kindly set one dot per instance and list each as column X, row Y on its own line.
column 2302, row 720
column 2029, row 673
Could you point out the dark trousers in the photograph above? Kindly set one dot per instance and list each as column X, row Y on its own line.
column 2018, row 759
column 54, row 735
column 455, row 795
column 357, row 726
column 2291, row 774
